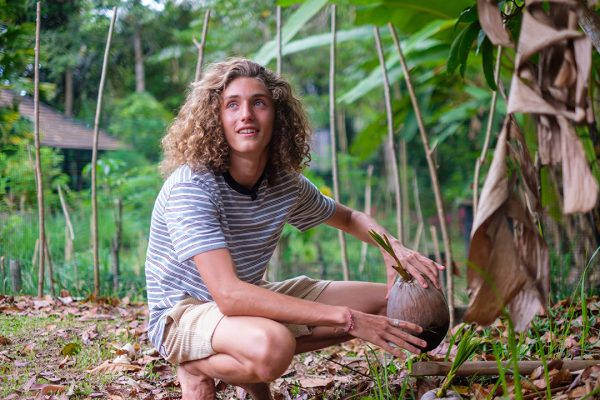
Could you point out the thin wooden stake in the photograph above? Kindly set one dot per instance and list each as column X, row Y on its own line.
column 433, row 174
column 95, row 158
column 48, row 257
column 332, row 135
column 364, row 246
column 436, row 246
column 421, row 225
column 38, row 161
column 279, row 47
column 390, row 139
column 488, row 132
column 69, row 233
column 200, row 46
column 403, row 172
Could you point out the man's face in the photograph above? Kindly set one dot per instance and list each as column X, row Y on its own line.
column 247, row 115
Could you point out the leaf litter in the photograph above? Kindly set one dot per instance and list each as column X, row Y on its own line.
column 84, row 350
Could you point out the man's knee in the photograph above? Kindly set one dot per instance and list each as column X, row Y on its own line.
column 272, row 351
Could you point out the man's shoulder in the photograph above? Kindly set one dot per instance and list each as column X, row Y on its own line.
column 187, row 179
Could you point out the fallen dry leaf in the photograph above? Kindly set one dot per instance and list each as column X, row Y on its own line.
column 108, row 367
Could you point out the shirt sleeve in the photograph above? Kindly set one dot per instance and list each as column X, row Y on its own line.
column 192, row 218
column 312, row 207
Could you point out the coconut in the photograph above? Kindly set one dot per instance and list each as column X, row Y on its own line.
column 426, row 307
column 409, row 301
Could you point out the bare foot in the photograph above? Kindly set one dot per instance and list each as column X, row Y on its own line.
column 195, row 387
column 258, row 391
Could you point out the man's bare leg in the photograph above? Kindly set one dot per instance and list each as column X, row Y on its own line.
column 260, row 355
column 195, row 387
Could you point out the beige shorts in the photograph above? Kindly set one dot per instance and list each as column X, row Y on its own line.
column 191, row 323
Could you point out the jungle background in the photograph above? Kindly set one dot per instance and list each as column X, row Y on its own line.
column 152, row 62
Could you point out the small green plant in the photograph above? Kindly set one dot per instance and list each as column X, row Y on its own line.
column 467, row 346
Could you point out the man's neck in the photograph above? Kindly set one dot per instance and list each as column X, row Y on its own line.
column 247, row 172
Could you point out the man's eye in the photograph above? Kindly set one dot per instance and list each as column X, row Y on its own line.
column 231, row 105
column 261, row 103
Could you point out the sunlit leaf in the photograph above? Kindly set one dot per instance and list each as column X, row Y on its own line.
column 290, row 28
column 70, row 349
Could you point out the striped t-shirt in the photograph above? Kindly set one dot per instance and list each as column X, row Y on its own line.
column 198, row 212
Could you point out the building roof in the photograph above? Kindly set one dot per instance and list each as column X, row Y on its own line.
column 57, row 130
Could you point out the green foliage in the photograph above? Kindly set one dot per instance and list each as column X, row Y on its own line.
column 17, row 177
column 295, row 22
column 14, row 129
column 141, row 121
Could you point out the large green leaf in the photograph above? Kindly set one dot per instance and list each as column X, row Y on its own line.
column 324, row 39
column 290, row 28
column 419, row 41
column 406, row 15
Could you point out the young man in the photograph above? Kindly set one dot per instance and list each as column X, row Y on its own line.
column 234, row 155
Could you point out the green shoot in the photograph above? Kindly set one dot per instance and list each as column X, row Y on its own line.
column 467, row 346
column 512, row 347
column 501, row 368
column 386, row 245
column 584, row 311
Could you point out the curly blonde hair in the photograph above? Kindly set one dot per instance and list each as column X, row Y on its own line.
column 196, row 137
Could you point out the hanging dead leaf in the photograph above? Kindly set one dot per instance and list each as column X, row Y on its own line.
column 507, row 258
column 491, row 23
column 554, row 88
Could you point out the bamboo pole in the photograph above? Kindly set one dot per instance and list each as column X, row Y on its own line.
column 488, row 132
column 95, row 158
column 364, row 246
column 200, row 46
column 38, row 161
column 390, row 138
column 334, row 162
column 279, row 46
column 433, row 174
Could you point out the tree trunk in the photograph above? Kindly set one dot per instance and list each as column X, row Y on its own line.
column 140, row 82
column 15, row 274
column 69, row 92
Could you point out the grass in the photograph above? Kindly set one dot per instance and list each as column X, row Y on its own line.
column 43, row 338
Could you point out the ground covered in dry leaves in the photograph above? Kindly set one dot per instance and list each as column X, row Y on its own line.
column 58, row 348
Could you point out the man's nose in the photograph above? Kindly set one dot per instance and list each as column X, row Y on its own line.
column 247, row 112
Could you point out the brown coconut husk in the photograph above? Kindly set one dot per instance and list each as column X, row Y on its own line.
column 426, row 307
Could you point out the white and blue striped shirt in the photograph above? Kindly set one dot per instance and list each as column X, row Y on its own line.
column 198, row 212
